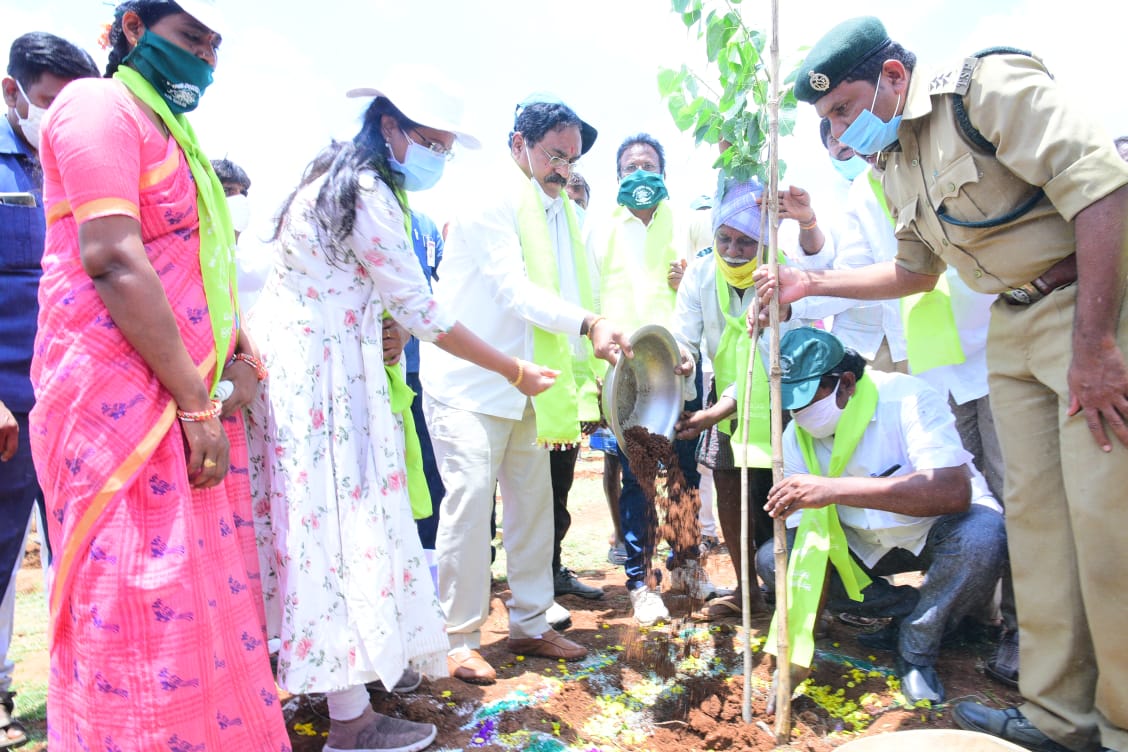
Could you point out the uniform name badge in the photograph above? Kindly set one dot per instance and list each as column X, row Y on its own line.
column 431, row 252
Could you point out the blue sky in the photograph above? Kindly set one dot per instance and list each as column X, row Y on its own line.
column 278, row 96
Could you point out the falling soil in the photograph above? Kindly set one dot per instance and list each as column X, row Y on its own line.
column 653, row 456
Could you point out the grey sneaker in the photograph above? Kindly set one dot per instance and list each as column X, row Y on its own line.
column 373, row 732
column 408, row 682
column 617, row 555
column 565, row 582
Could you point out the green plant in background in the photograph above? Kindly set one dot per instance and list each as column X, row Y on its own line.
column 729, row 104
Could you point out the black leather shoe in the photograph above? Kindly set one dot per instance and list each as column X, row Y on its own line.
column 883, row 639
column 919, row 682
column 565, row 582
column 1009, row 724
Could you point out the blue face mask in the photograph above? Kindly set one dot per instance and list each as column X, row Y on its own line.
column 421, row 167
column 869, row 134
column 850, row 168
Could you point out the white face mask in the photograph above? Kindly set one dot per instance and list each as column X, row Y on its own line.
column 820, row 418
column 31, row 124
column 239, row 206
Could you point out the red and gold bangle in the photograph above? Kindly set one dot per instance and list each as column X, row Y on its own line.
column 253, row 362
column 810, row 225
column 199, row 416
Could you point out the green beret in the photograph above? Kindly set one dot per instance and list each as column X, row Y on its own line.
column 841, row 50
column 805, row 356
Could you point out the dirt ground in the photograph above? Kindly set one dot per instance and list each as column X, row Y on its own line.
column 672, row 688
column 677, row 687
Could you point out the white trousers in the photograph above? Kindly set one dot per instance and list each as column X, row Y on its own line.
column 474, row 452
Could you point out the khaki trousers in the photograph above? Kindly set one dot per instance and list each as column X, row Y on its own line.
column 1067, row 523
column 475, row 451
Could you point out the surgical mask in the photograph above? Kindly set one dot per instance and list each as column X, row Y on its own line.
column 31, row 124
column 869, row 134
column 239, row 207
column 642, row 190
column 421, row 167
column 820, row 418
column 850, row 168
column 178, row 76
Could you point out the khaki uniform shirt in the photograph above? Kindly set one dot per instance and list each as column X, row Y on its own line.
column 1042, row 140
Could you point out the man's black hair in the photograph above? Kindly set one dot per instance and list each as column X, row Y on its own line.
column 869, row 69
column 229, row 172
column 852, row 362
column 646, row 140
column 535, row 121
column 38, row 52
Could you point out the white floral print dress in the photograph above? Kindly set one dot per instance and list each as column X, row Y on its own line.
column 346, row 585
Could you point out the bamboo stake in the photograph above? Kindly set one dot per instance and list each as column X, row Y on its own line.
column 747, row 579
column 783, row 648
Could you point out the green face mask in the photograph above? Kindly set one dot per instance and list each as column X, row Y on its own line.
column 178, row 76
column 642, row 190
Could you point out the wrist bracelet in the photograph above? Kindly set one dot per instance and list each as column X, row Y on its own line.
column 814, row 223
column 200, row 416
column 591, row 327
column 253, row 362
column 520, row 371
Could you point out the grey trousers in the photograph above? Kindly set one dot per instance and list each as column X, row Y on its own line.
column 962, row 559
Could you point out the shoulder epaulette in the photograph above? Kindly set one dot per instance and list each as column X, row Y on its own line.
column 954, row 79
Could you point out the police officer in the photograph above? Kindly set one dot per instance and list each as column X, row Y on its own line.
column 988, row 167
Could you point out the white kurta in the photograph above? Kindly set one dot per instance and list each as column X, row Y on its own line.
column 346, row 585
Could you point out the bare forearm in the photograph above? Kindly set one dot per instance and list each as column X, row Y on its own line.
column 1100, row 231
column 882, row 281
column 925, row 493
column 463, row 343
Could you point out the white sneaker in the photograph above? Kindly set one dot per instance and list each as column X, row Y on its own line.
column 559, row 618
column 692, row 579
column 648, row 606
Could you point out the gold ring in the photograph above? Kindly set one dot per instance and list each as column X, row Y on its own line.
column 209, row 464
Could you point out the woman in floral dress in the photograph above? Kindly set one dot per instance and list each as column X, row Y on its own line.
column 346, row 585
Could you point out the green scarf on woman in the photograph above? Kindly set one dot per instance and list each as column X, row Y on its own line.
column 217, row 236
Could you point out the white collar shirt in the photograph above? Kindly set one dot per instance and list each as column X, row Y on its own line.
column 913, row 428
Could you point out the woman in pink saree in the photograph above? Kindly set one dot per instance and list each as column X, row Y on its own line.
column 157, row 635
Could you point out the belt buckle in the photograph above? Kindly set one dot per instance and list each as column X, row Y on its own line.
column 1024, row 295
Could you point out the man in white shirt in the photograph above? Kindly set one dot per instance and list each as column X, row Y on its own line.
column 509, row 274
column 907, row 495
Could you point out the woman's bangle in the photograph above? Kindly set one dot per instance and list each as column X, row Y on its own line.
column 812, row 225
column 591, row 326
column 253, row 362
column 520, row 371
column 200, row 416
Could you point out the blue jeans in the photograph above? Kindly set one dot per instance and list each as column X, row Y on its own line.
column 18, row 489
column 639, row 519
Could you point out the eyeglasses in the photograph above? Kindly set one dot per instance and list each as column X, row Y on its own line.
column 636, row 166
column 557, row 163
column 433, row 146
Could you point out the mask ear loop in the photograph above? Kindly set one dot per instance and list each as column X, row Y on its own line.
column 877, row 88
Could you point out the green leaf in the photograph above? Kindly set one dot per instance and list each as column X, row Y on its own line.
column 679, row 5
column 691, row 17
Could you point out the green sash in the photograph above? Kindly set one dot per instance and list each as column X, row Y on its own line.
column 730, row 364
column 820, row 537
column 217, row 236
column 584, row 369
column 558, row 422
column 400, row 397
column 931, row 337
column 633, row 296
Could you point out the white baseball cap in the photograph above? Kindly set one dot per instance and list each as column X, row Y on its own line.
column 204, row 11
column 425, row 97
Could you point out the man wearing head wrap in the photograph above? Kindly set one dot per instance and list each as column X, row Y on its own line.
column 990, row 167
column 709, row 323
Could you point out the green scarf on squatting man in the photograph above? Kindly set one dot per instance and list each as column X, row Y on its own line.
column 558, row 422
column 931, row 337
column 217, row 236
column 820, row 538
